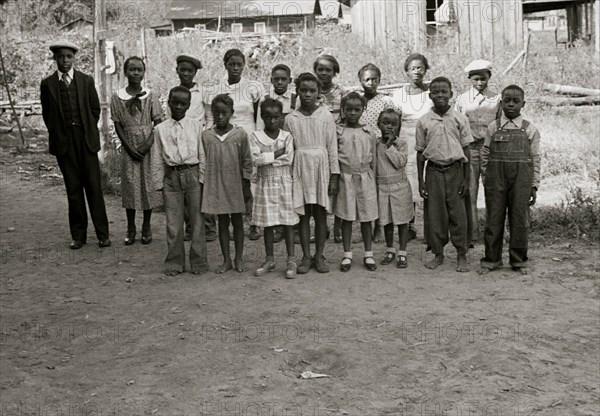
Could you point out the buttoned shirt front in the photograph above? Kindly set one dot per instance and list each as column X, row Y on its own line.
column 481, row 108
column 513, row 124
column 177, row 143
column 442, row 138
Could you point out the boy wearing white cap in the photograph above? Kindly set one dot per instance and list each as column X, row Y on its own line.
column 71, row 110
column 481, row 106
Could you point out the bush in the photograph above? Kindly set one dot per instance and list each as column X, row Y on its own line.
column 578, row 217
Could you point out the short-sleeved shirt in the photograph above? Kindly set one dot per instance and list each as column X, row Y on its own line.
column 244, row 95
column 442, row 138
column 534, row 138
column 481, row 108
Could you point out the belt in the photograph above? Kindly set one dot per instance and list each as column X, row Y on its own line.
column 442, row 168
column 180, row 168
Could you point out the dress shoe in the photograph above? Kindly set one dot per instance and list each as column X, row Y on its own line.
column 254, row 234
column 211, row 236
column 104, row 243
column 76, row 244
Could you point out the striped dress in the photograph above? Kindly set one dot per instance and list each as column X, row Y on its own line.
column 273, row 201
column 394, row 193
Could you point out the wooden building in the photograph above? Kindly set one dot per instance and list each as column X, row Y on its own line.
column 481, row 28
column 238, row 16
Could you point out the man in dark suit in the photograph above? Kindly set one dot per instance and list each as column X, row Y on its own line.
column 71, row 110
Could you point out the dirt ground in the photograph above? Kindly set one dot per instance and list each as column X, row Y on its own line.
column 103, row 332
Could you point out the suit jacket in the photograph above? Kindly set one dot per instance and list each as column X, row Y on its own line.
column 89, row 105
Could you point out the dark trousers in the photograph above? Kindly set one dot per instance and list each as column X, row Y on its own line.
column 446, row 209
column 81, row 172
column 183, row 187
column 507, row 188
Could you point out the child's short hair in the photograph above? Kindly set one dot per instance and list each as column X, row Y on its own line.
column 282, row 67
column 514, row 87
column 231, row 53
column 223, row 99
column 441, row 80
column 334, row 62
column 181, row 89
column 369, row 67
column 306, row 76
column 389, row 111
column 133, row 58
column 416, row 57
column 353, row 96
column 270, row 103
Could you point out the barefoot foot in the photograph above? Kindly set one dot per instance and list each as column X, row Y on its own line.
column 461, row 264
column 482, row 271
column 239, row 266
column 523, row 270
column 226, row 266
column 437, row 261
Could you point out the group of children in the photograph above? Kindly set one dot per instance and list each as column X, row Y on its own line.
column 307, row 160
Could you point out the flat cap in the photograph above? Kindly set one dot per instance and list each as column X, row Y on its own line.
column 190, row 59
column 63, row 44
column 479, row 65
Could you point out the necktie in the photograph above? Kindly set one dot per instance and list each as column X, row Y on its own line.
column 65, row 79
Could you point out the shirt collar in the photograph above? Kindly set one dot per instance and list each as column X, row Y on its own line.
column 486, row 93
column 436, row 116
column 517, row 122
column 286, row 94
column 71, row 73
column 175, row 122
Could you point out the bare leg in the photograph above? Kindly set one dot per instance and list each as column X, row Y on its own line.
column 224, row 242
column 461, row 263
column 238, row 235
column 347, row 235
column 269, row 238
column 320, row 216
column 288, row 231
column 304, row 232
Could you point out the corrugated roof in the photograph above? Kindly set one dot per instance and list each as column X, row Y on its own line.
column 212, row 9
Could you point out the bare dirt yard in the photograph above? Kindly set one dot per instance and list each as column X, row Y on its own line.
column 103, row 332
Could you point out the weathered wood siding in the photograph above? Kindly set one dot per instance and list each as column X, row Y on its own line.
column 389, row 23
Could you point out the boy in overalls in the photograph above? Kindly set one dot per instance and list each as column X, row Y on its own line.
column 511, row 172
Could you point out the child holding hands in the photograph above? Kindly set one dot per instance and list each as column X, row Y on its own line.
column 227, row 178
column 135, row 111
column 273, row 152
column 315, row 170
column 357, row 195
column 394, row 194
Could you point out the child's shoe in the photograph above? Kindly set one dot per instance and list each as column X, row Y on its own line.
column 388, row 258
column 401, row 262
column 268, row 266
column 292, row 269
column 305, row 265
column 370, row 264
column 346, row 264
column 321, row 265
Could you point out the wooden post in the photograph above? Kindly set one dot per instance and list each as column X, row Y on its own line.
column 99, row 74
column 305, row 28
column 526, row 50
column 596, row 6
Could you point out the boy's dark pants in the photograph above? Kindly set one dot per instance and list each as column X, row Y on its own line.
column 182, row 186
column 81, row 172
column 508, row 182
column 446, row 210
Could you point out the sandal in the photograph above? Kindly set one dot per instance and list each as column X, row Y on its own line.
column 388, row 258
column 130, row 238
column 305, row 265
column 267, row 266
column 321, row 265
column 292, row 269
column 401, row 262
column 371, row 266
column 346, row 266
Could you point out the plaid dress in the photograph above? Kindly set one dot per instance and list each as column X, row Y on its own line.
column 394, row 193
column 273, row 202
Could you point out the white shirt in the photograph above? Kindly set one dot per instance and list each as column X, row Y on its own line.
column 70, row 74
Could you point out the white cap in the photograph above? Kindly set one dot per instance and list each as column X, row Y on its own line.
column 63, row 44
column 479, row 65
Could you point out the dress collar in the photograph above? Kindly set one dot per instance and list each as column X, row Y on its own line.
column 266, row 140
column 124, row 95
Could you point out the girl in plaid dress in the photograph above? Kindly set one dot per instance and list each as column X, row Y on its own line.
column 393, row 187
column 272, row 154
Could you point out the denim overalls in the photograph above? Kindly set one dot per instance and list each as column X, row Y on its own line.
column 508, row 182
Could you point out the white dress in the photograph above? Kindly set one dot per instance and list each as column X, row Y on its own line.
column 413, row 107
